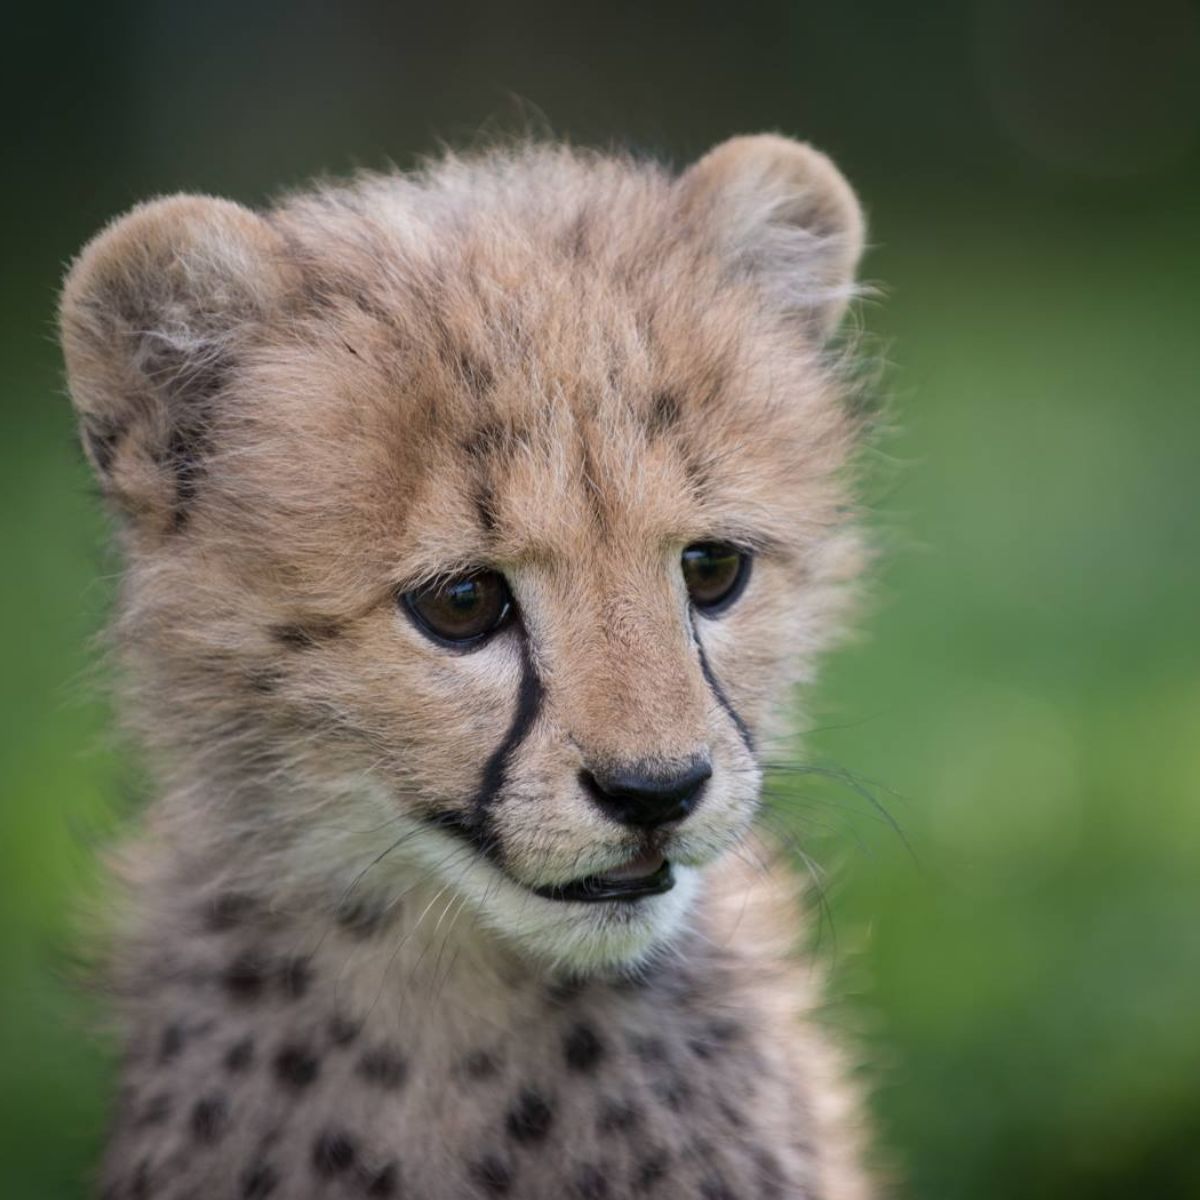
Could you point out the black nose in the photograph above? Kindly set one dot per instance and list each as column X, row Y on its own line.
column 646, row 798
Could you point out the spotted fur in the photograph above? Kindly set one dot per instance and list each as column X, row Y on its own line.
column 336, row 978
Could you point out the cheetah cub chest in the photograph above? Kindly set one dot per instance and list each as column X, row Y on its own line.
column 477, row 523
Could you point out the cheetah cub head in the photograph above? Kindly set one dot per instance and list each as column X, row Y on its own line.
column 476, row 522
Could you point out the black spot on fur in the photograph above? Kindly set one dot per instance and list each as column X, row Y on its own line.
column 210, row 1119
column 480, row 1064
column 664, row 412
column 296, row 1066
column 733, row 1116
column 171, row 1043
column 240, row 1056
column 492, row 439
column 649, row 1049
column 384, row 1067
column 156, row 1110
column 699, row 472
column 342, row 1030
column 492, row 1174
column 485, row 507
column 723, row 1031
column 270, row 1136
column 617, row 1116
column 264, row 681
column 583, row 1049
column 246, row 976
column 651, row 1170
column 530, row 1118
column 674, row 1091
column 590, row 1183
column 139, row 1185
column 713, row 1187
column 258, row 1181
column 228, row 911
column 295, row 977
column 333, row 1152
column 487, row 440
column 305, row 636
column 476, row 374
column 383, row 1182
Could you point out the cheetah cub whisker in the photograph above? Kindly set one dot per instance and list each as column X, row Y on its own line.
column 477, row 524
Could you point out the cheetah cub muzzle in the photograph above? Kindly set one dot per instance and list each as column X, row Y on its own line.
column 477, row 525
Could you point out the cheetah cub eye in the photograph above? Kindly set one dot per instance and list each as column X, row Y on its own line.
column 466, row 610
column 716, row 574
column 462, row 612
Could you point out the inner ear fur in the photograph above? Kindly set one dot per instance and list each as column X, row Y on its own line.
column 784, row 217
column 152, row 316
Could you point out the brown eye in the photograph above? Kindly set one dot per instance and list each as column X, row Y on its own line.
column 715, row 574
column 461, row 611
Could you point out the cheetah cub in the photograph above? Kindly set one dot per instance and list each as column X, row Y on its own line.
column 477, row 524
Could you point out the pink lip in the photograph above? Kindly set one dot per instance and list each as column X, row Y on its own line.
column 640, row 867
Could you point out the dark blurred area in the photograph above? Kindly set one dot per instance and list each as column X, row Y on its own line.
column 1020, row 962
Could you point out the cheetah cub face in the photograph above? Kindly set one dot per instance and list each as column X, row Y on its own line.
column 477, row 521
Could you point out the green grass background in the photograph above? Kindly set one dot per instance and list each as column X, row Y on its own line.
column 1024, row 975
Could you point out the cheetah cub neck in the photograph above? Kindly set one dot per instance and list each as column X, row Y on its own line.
column 477, row 523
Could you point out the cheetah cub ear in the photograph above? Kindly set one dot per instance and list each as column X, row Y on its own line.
column 151, row 318
column 784, row 217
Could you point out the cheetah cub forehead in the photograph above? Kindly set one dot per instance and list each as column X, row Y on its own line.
column 477, row 521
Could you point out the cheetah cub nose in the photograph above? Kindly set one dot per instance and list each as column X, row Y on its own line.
column 646, row 798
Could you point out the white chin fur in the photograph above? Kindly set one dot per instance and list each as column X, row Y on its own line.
column 567, row 936
column 581, row 937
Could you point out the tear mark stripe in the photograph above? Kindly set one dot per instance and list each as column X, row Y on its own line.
column 529, row 704
column 722, row 699
column 474, row 825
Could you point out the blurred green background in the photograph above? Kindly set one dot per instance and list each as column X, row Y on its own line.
column 1026, row 699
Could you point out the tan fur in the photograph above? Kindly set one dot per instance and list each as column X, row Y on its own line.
column 562, row 366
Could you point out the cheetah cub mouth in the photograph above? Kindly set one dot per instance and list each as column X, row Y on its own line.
column 645, row 874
